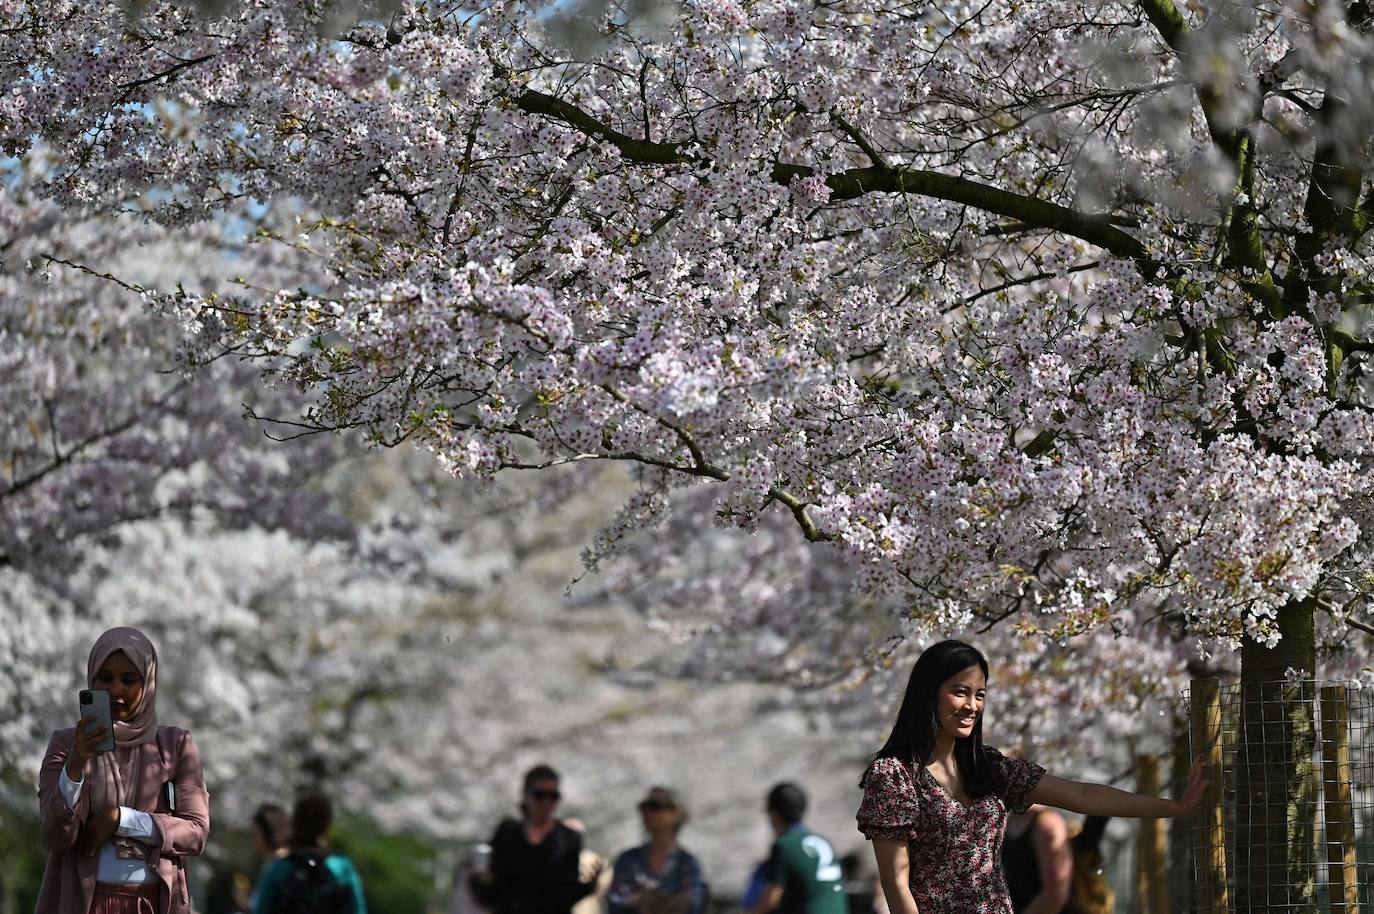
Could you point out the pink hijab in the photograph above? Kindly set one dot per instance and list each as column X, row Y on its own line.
column 114, row 775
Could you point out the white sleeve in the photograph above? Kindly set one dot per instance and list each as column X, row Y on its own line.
column 137, row 824
column 71, row 790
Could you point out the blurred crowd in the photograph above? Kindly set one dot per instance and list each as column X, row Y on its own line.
column 541, row 864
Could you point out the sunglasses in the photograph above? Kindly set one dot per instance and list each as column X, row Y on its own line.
column 655, row 805
column 546, row 795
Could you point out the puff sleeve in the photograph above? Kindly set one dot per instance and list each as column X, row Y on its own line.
column 890, row 805
column 1018, row 777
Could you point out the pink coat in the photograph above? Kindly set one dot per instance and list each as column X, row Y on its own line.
column 69, row 878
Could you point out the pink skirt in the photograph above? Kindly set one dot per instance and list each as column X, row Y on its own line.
column 125, row 899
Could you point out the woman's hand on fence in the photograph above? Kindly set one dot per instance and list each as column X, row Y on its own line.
column 1197, row 785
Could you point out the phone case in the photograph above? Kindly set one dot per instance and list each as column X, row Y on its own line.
column 96, row 703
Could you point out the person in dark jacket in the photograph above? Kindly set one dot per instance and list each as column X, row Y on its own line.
column 534, row 860
column 1037, row 861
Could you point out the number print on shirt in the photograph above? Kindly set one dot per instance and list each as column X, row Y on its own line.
column 827, row 870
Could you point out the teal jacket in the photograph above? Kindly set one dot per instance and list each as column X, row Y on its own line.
column 269, row 887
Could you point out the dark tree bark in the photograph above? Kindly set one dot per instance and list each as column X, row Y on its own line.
column 1275, row 814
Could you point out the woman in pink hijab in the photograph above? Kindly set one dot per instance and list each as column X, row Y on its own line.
column 118, row 826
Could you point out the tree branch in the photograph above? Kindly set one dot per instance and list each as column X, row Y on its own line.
column 1244, row 244
column 857, row 182
column 702, row 467
column 169, row 74
column 645, row 152
column 860, row 140
column 1340, row 615
column 78, row 448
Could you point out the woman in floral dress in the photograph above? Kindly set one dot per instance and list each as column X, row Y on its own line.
column 936, row 799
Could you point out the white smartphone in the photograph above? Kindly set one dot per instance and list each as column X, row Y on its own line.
column 96, row 703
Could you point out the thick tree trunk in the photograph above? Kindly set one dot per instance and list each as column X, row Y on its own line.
column 1275, row 801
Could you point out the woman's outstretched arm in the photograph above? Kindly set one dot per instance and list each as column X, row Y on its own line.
column 1101, row 800
column 894, row 873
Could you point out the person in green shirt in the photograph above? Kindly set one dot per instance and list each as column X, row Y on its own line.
column 311, row 877
column 802, row 874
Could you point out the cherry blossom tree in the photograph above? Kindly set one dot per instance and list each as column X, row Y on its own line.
column 769, row 284
column 104, row 423
column 1046, row 315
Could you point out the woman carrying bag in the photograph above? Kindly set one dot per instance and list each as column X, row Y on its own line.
column 118, row 825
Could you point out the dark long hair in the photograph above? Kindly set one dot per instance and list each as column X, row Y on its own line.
column 913, row 735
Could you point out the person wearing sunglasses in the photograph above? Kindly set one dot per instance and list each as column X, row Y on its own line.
column 658, row 877
column 534, row 863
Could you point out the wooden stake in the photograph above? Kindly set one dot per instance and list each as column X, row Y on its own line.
column 1340, row 812
column 1151, row 870
column 1209, row 818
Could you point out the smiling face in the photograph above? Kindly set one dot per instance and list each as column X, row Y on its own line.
column 123, row 681
column 959, row 703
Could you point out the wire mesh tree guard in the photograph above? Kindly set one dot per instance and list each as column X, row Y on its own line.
column 1288, row 823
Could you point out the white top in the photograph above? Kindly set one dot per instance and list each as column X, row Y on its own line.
column 133, row 823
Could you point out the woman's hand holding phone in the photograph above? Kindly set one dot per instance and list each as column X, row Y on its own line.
column 89, row 735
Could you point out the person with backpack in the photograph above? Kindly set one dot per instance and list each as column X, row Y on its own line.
column 802, row 874
column 311, row 879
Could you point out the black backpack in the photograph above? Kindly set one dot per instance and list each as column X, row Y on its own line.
column 310, row 888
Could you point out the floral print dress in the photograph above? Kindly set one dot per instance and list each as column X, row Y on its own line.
column 955, row 851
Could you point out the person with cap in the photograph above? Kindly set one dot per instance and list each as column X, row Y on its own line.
column 658, row 877
column 119, row 825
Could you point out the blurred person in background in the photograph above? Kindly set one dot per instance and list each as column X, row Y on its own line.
column 535, row 865
column 1092, row 892
column 271, row 832
column 754, row 886
column 658, row 877
column 1037, row 861
column 861, row 889
column 802, row 875
column 311, row 878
